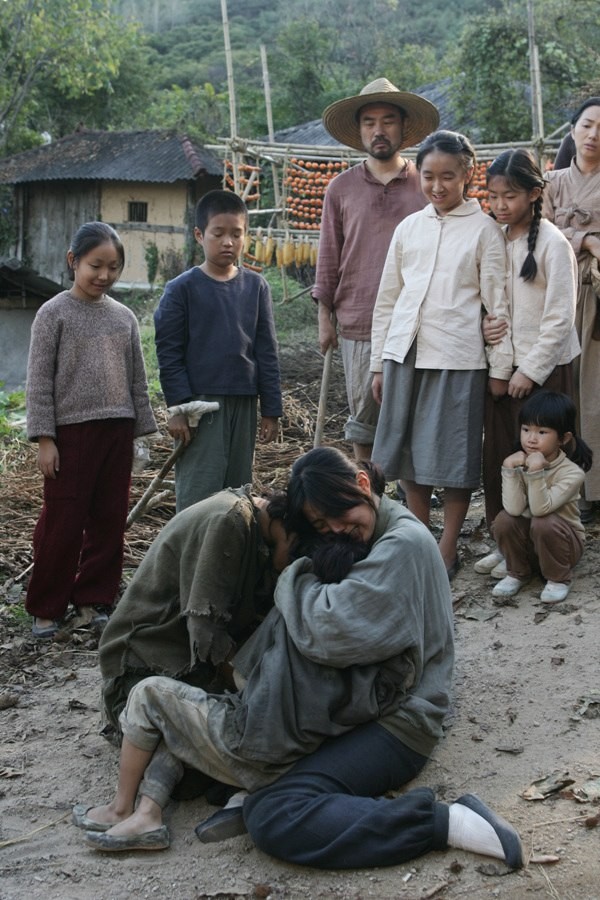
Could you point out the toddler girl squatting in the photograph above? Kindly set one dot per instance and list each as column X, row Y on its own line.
column 540, row 526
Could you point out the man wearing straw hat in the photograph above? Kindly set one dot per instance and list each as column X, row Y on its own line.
column 362, row 207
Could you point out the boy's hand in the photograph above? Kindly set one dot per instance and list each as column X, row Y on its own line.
column 48, row 458
column 535, row 462
column 269, row 426
column 497, row 387
column 493, row 329
column 520, row 386
column 179, row 429
column 377, row 387
column 515, row 460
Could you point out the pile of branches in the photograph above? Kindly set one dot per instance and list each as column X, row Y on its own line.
column 21, row 482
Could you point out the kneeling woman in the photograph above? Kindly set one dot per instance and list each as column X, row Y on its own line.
column 370, row 659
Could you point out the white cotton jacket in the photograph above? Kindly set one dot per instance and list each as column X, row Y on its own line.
column 542, row 311
column 439, row 273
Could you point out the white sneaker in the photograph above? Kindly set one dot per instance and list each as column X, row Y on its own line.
column 508, row 587
column 485, row 565
column 555, row 591
column 499, row 571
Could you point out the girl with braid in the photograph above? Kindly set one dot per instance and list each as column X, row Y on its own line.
column 541, row 287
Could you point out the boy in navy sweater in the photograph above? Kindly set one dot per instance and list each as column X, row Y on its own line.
column 215, row 340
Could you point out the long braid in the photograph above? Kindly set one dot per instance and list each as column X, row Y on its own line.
column 529, row 269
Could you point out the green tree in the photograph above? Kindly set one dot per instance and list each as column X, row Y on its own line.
column 300, row 69
column 492, row 87
column 76, row 47
column 200, row 111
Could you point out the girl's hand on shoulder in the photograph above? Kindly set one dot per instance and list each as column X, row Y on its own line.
column 493, row 328
column 497, row 387
column 591, row 243
column 535, row 462
column 48, row 458
column 520, row 386
column 377, row 387
column 515, row 460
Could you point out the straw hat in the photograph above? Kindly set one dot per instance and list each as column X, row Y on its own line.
column 421, row 116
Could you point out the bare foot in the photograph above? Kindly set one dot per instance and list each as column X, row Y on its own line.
column 108, row 814
column 140, row 822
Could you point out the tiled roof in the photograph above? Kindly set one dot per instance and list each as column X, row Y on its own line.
column 19, row 280
column 155, row 156
column 311, row 134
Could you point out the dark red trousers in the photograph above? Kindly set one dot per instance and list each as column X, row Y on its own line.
column 78, row 539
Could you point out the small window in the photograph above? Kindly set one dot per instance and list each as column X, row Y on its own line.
column 138, row 212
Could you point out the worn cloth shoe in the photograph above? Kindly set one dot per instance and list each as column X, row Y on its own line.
column 555, row 591
column 44, row 632
column 158, row 839
column 500, row 570
column 485, row 832
column 222, row 825
column 508, row 587
column 485, row 565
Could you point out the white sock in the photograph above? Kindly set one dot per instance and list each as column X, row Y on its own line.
column 469, row 831
column 236, row 800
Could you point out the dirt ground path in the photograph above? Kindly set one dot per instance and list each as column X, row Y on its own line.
column 527, row 705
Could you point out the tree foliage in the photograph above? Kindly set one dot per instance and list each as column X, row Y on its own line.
column 161, row 63
column 492, row 85
column 75, row 49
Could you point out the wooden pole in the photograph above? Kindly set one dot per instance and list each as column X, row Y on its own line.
column 270, row 129
column 537, row 112
column 324, row 394
column 231, row 92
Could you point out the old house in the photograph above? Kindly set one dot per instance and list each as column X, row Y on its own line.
column 143, row 183
column 22, row 292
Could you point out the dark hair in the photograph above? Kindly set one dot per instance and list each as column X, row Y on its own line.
column 334, row 555
column 522, row 173
column 565, row 153
column 216, row 202
column 360, row 109
column 591, row 101
column 90, row 236
column 551, row 409
column 326, row 479
column 453, row 143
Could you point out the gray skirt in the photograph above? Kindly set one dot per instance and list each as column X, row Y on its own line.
column 430, row 426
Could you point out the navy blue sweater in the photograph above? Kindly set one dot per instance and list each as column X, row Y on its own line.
column 218, row 337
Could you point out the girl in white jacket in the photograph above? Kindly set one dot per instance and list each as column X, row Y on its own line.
column 430, row 368
column 541, row 289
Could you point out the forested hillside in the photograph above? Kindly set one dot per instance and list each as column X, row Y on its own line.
column 161, row 63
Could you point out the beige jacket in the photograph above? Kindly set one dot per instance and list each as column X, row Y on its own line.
column 554, row 489
column 438, row 274
column 542, row 311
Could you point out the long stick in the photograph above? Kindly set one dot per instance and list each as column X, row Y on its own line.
column 155, row 485
column 325, row 379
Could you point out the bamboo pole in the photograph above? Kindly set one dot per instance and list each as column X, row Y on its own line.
column 270, row 129
column 231, row 92
column 537, row 112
